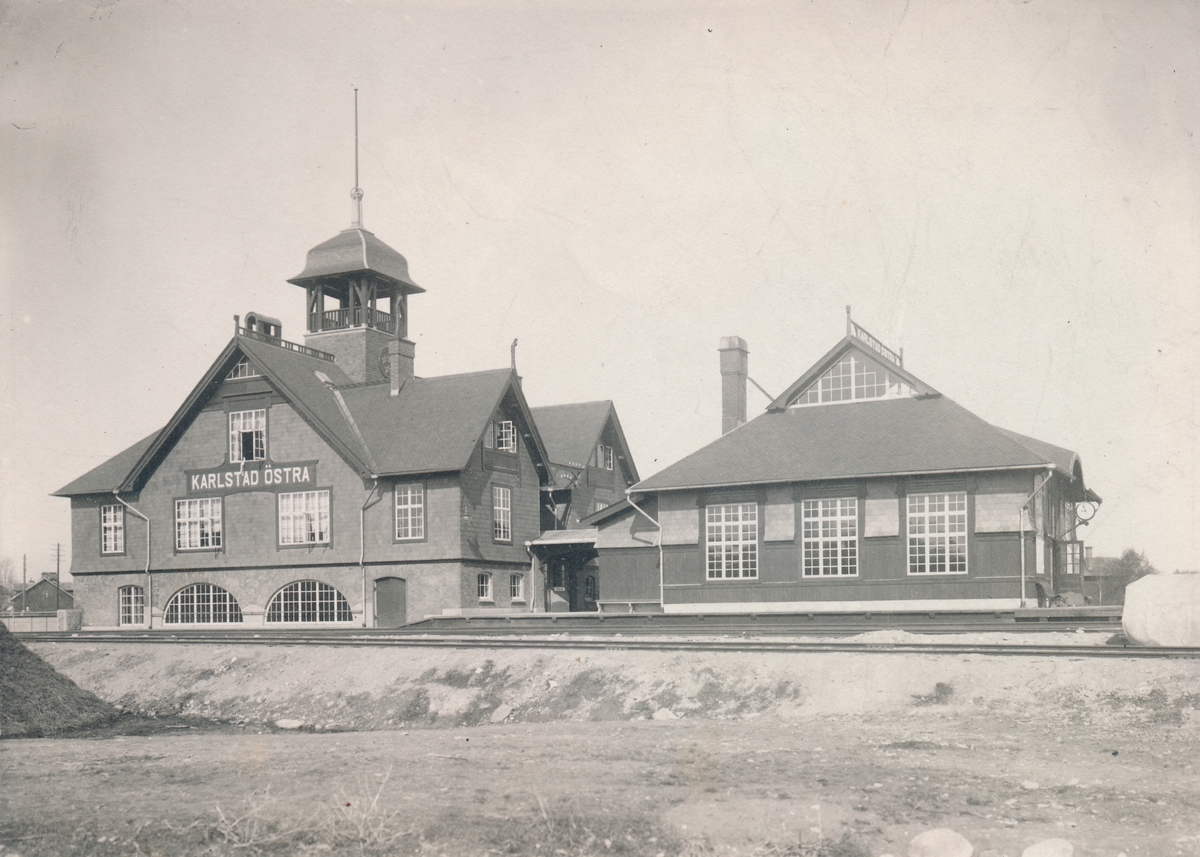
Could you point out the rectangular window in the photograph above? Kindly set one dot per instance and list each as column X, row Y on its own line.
column 248, row 435
column 506, row 440
column 132, row 605
column 732, row 540
column 483, row 583
column 410, row 511
column 304, row 518
column 516, row 587
column 112, row 529
column 937, row 533
column 198, row 524
column 501, row 513
column 604, row 457
column 1072, row 557
column 830, row 537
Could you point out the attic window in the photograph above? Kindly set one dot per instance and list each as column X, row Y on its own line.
column 853, row 377
column 243, row 369
column 500, row 435
column 248, row 435
column 604, row 456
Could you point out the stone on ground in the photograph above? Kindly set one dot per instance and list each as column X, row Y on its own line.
column 1049, row 848
column 1163, row 610
column 289, row 724
column 940, row 842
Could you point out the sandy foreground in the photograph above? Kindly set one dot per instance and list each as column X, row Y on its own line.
column 600, row 752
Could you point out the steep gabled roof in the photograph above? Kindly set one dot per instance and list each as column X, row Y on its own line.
column 434, row 424
column 572, row 431
column 109, row 475
column 872, row 437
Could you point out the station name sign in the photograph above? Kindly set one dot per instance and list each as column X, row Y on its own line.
column 252, row 476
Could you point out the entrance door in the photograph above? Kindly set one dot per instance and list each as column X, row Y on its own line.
column 391, row 602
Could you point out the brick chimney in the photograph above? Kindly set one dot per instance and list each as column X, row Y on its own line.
column 734, row 369
column 401, row 354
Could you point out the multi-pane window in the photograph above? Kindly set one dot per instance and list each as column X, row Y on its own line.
column 500, row 435
column 309, row 601
column 243, row 369
column 732, row 530
column 853, row 377
column 248, row 435
column 937, row 533
column 589, row 588
column 830, row 537
column 304, row 518
column 112, row 529
column 1072, row 557
column 483, row 586
column 410, row 511
column 198, row 524
column 131, row 604
column 501, row 513
column 516, row 587
column 604, row 456
column 202, row 604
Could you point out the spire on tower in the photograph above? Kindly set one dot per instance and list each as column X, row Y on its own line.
column 356, row 194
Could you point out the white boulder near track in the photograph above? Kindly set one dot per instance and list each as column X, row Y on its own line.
column 1163, row 610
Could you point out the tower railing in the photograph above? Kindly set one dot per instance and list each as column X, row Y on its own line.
column 347, row 317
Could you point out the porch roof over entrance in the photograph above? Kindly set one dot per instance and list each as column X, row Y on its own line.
column 582, row 536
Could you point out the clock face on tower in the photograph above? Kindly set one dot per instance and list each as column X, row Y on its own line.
column 385, row 365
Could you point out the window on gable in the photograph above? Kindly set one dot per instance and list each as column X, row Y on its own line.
column 304, row 518
column 410, row 511
column 604, row 456
column 131, row 603
column 937, row 533
column 112, row 529
column 198, row 524
column 248, row 435
column 830, row 537
column 506, row 440
column 854, row 377
column 243, row 369
column 501, row 513
column 732, row 539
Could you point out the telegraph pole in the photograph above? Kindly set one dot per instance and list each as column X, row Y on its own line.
column 57, row 574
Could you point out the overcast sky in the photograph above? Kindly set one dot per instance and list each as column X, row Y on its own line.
column 1007, row 190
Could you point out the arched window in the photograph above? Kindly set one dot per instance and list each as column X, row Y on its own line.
column 131, row 602
column 309, row 601
column 202, row 604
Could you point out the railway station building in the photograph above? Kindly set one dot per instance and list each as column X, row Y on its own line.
column 860, row 488
column 328, row 484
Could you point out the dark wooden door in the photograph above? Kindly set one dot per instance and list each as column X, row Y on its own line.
column 391, row 602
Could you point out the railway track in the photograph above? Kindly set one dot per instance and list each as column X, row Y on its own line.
column 616, row 642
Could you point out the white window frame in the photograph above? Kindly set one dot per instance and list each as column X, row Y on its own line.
column 501, row 513
column 131, row 605
column 304, row 518
column 830, row 537
column 937, row 533
column 242, row 369
column 410, row 511
column 1073, row 557
column 604, row 456
column 205, row 600
column 731, row 540
column 112, row 529
column 516, row 587
column 241, row 422
column 506, row 436
column 198, row 524
column 483, row 586
column 308, row 601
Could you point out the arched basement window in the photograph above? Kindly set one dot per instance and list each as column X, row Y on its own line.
column 309, row 601
column 202, row 604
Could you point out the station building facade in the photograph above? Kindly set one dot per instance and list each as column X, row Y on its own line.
column 327, row 483
column 860, row 488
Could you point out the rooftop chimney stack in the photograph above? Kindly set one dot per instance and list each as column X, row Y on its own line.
column 401, row 357
column 735, row 363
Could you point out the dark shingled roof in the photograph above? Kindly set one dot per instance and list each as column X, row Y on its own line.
column 109, row 475
column 570, row 432
column 432, row 426
column 876, row 437
column 353, row 251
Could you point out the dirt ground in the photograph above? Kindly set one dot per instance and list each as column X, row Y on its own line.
column 617, row 753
